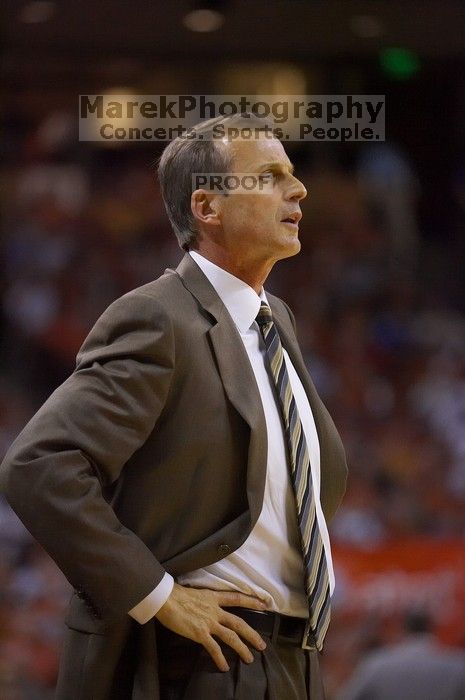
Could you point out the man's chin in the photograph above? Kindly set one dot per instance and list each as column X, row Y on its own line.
column 290, row 247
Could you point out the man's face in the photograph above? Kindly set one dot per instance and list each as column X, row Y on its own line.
column 254, row 226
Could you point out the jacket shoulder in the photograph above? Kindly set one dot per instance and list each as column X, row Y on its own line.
column 146, row 302
column 140, row 319
column 161, row 290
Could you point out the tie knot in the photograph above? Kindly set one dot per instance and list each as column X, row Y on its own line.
column 264, row 316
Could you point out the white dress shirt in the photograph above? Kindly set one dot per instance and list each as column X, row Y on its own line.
column 269, row 563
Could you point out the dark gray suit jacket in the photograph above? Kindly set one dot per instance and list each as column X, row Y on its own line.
column 151, row 456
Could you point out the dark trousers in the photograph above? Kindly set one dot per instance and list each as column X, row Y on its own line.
column 282, row 671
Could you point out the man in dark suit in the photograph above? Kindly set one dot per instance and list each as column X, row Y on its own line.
column 157, row 476
column 417, row 666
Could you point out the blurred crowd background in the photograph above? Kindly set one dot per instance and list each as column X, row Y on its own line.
column 378, row 289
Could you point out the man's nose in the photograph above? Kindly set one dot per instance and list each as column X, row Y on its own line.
column 297, row 190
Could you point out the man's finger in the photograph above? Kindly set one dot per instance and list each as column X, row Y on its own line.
column 228, row 598
column 240, row 626
column 232, row 639
column 214, row 649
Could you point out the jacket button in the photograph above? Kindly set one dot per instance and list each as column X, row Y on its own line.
column 223, row 549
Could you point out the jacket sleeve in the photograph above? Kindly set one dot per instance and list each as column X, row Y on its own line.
column 79, row 441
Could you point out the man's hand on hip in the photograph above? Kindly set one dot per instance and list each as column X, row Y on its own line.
column 196, row 613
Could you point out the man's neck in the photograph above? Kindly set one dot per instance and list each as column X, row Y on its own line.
column 252, row 274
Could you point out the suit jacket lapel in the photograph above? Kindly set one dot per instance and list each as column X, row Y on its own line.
column 289, row 342
column 236, row 374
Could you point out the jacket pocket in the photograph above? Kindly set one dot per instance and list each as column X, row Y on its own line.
column 80, row 618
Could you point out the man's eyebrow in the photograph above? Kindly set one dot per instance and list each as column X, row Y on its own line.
column 277, row 164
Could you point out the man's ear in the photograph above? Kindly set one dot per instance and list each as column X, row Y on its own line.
column 204, row 206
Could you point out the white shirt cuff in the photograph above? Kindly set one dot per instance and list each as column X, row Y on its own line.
column 151, row 604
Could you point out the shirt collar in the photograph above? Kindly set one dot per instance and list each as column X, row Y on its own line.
column 242, row 302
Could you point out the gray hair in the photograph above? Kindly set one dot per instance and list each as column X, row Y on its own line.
column 186, row 155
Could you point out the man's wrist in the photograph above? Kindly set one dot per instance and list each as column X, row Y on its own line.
column 151, row 604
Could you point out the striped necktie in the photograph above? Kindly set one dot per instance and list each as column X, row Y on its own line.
column 315, row 564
